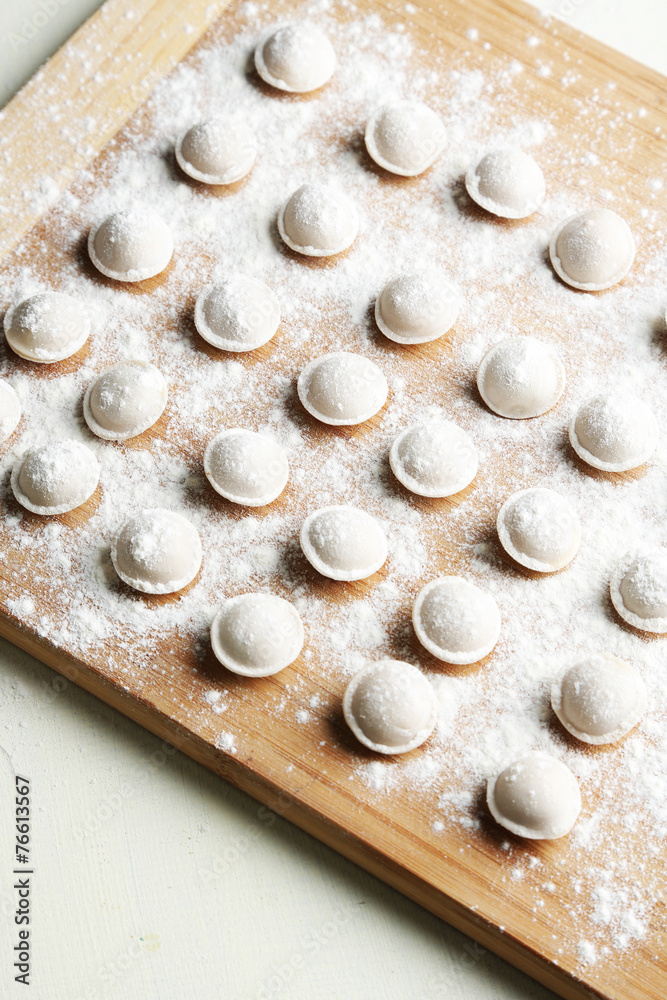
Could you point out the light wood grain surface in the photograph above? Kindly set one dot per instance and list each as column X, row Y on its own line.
column 386, row 844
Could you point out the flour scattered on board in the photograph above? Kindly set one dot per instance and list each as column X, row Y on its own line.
column 226, row 741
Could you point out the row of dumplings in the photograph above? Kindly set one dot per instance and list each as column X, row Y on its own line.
column 590, row 251
column 537, row 527
column 435, row 458
column 519, row 377
column 391, row 707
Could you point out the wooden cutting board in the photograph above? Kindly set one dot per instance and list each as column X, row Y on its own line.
column 459, row 875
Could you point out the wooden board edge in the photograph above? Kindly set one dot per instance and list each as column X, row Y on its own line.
column 353, row 847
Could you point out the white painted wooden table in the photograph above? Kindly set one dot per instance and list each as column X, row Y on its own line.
column 153, row 878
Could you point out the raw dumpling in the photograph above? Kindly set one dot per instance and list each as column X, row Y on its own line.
column 296, row 57
column 418, row 307
column 639, row 590
column 246, row 467
column 239, row 313
column 47, row 327
column 157, row 551
column 318, row 221
column 614, row 432
column 536, row 796
column 343, row 543
column 521, row 377
column 342, row 388
column 256, row 635
column 539, row 529
column 455, row 620
column 390, row 706
column 217, row 151
column 405, row 137
column 125, row 400
column 56, row 477
column 131, row 245
column 593, row 250
column 434, row 459
column 507, row 183
column 599, row 699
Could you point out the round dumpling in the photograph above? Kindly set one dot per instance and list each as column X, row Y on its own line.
column 405, row 137
column 342, row 388
column 417, row 308
column 521, row 377
column 257, row 635
column 599, row 699
column 614, row 432
column 434, row 459
column 216, row 151
column 47, row 327
column 593, row 250
column 318, row 221
column 55, row 477
column 536, row 797
column 343, row 543
column 507, row 183
column 390, row 706
column 455, row 620
column 295, row 57
column 131, row 245
column 639, row 590
column 239, row 313
column 157, row 551
column 246, row 467
column 125, row 400
column 539, row 529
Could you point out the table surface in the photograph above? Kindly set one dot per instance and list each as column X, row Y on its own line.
column 153, row 876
